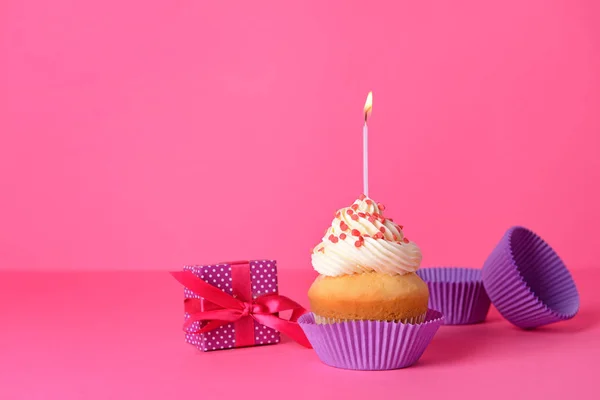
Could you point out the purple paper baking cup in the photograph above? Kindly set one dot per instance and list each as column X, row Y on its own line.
column 528, row 282
column 458, row 293
column 370, row 345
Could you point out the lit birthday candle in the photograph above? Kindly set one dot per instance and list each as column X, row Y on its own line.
column 368, row 108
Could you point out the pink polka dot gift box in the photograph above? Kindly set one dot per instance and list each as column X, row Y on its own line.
column 236, row 304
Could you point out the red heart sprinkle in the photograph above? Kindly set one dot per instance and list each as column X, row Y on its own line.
column 369, row 201
column 343, row 236
column 334, row 239
column 362, row 197
column 361, row 214
column 382, row 229
column 354, row 217
column 405, row 240
column 349, row 212
column 355, row 232
column 358, row 243
column 354, row 207
column 343, row 226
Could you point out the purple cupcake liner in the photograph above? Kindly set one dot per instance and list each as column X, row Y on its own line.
column 370, row 345
column 458, row 293
column 528, row 282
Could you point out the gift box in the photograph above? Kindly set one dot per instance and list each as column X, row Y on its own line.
column 236, row 304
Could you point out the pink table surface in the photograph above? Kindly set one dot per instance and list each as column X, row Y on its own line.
column 117, row 335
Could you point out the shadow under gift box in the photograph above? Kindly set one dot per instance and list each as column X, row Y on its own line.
column 262, row 275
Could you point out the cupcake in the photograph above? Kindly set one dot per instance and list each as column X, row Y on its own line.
column 369, row 308
column 367, row 269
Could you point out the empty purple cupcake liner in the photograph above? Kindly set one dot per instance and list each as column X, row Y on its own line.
column 458, row 293
column 370, row 345
column 528, row 282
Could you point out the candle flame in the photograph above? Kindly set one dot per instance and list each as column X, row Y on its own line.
column 368, row 106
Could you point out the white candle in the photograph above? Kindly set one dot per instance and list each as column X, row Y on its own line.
column 368, row 108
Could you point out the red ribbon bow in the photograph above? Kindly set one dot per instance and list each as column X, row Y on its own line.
column 226, row 309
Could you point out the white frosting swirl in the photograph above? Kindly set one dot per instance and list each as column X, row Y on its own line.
column 361, row 239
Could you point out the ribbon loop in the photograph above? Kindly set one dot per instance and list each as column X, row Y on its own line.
column 228, row 309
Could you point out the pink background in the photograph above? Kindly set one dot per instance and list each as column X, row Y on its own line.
column 148, row 135
column 154, row 134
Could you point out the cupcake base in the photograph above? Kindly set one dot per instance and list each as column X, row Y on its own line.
column 528, row 282
column 327, row 321
column 458, row 293
column 370, row 345
column 369, row 296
